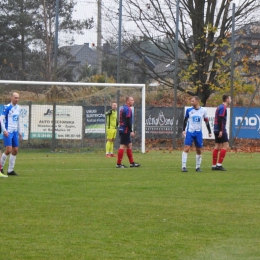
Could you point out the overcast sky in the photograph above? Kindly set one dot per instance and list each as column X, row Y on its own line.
column 87, row 9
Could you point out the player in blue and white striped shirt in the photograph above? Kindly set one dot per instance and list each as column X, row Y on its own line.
column 192, row 131
column 11, row 131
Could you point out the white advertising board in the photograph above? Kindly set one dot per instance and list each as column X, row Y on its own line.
column 24, row 121
column 68, row 123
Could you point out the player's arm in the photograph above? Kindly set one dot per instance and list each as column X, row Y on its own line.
column 221, row 119
column 128, row 121
column 221, row 125
column 208, row 125
column 184, row 126
column 109, row 112
column 19, row 129
column 2, row 118
column 184, row 123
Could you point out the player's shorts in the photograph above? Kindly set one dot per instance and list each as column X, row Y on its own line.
column 125, row 138
column 111, row 133
column 196, row 137
column 222, row 139
column 12, row 139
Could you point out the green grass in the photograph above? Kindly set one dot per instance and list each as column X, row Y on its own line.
column 79, row 206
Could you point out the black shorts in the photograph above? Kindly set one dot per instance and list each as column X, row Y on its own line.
column 222, row 139
column 125, row 138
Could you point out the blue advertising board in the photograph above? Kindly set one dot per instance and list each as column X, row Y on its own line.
column 250, row 126
column 1, row 110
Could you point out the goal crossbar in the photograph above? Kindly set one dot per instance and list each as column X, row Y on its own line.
column 51, row 83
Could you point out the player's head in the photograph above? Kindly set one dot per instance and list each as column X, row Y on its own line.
column 14, row 98
column 114, row 106
column 195, row 101
column 129, row 101
column 226, row 99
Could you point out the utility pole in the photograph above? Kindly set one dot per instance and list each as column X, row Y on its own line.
column 119, row 43
column 56, row 39
column 99, row 37
column 119, row 58
column 176, row 47
column 232, row 76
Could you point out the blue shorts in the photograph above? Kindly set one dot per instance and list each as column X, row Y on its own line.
column 12, row 139
column 125, row 138
column 196, row 137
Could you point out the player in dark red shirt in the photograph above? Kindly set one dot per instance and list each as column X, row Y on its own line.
column 221, row 136
column 125, row 134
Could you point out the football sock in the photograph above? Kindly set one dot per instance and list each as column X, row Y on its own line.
column 221, row 156
column 3, row 159
column 184, row 159
column 198, row 160
column 120, row 155
column 11, row 162
column 130, row 155
column 214, row 157
column 108, row 147
column 111, row 147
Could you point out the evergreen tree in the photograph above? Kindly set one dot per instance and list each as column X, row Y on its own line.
column 27, row 37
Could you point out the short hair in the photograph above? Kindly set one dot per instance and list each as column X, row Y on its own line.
column 13, row 93
column 225, row 97
column 196, row 98
column 127, row 98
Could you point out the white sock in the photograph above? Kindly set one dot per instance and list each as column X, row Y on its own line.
column 198, row 160
column 11, row 162
column 184, row 159
column 3, row 159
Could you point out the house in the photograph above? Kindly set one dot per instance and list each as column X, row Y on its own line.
column 247, row 41
column 247, row 50
column 79, row 57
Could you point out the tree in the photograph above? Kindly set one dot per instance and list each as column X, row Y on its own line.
column 204, row 26
column 27, row 36
column 67, row 25
column 17, row 22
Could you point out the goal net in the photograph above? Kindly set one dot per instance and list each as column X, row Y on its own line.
column 71, row 115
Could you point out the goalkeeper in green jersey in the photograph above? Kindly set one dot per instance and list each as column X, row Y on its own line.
column 111, row 128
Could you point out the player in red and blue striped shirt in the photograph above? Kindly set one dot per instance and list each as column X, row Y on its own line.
column 221, row 136
column 125, row 133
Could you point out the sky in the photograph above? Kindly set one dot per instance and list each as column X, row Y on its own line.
column 87, row 9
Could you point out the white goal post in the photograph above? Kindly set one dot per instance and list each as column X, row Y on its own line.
column 118, row 85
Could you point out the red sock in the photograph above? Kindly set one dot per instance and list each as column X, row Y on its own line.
column 222, row 155
column 130, row 155
column 120, row 155
column 214, row 156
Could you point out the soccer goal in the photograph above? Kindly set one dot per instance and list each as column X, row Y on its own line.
column 72, row 114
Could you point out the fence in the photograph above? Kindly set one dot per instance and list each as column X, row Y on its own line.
column 83, row 127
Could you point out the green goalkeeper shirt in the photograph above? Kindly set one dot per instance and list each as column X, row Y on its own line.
column 111, row 119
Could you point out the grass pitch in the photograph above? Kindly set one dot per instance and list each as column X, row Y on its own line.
column 79, row 206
